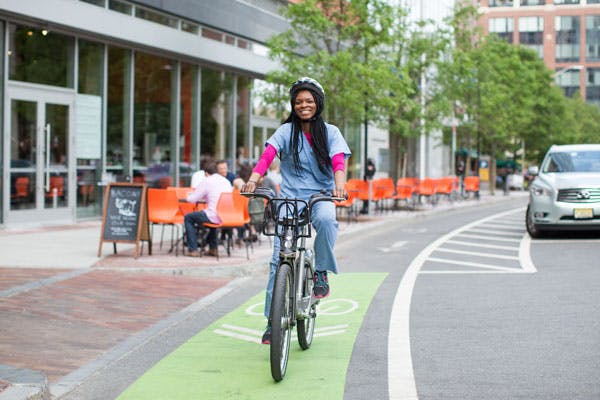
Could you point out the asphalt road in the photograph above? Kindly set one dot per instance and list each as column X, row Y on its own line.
column 462, row 306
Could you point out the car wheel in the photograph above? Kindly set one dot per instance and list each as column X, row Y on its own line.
column 532, row 228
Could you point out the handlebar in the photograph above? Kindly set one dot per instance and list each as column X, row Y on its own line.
column 285, row 211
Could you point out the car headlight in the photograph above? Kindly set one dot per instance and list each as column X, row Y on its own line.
column 537, row 190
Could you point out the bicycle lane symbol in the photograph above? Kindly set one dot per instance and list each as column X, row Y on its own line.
column 332, row 307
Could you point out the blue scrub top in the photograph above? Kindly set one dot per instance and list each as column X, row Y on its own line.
column 310, row 179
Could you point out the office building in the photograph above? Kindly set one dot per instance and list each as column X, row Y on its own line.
column 564, row 33
column 95, row 91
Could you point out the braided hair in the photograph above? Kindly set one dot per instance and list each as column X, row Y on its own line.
column 318, row 130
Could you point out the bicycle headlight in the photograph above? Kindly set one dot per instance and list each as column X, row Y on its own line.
column 288, row 240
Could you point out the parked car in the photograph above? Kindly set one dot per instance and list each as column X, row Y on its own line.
column 565, row 194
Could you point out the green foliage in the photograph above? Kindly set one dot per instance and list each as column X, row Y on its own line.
column 371, row 64
column 347, row 45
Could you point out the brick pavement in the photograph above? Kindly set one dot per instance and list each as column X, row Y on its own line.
column 56, row 320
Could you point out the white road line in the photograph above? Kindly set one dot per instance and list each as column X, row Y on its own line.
column 470, row 272
column 493, row 233
column 489, row 246
column 241, row 329
column 329, row 333
column 502, row 228
column 502, row 224
column 471, row 264
column 476, row 253
column 525, row 255
column 333, row 327
column 488, row 237
column 401, row 379
column 238, row 336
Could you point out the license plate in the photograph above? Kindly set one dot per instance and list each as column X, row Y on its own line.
column 583, row 213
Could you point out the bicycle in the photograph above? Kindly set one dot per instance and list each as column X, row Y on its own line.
column 292, row 303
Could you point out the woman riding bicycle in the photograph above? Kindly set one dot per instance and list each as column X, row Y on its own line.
column 313, row 157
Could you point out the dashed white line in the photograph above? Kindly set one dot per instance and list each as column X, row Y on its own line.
column 488, row 237
column 472, row 264
column 477, row 253
column 488, row 246
column 493, row 233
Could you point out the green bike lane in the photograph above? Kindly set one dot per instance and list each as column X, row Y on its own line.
column 227, row 361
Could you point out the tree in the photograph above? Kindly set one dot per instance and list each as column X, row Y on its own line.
column 348, row 45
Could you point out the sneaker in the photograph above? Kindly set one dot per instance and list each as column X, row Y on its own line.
column 193, row 253
column 211, row 253
column 321, row 288
column 266, row 337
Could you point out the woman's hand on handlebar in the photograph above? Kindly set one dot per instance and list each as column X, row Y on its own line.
column 249, row 187
column 339, row 192
column 252, row 184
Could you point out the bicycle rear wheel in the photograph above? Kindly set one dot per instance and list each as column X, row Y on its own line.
column 281, row 318
column 306, row 326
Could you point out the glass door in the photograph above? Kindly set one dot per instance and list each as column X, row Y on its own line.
column 40, row 172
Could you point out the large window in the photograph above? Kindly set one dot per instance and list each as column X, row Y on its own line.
column 244, row 88
column 560, row 2
column 188, row 129
column 592, row 90
column 40, row 56
column 500, row 3
column 503, row 27
column 568, row 80
column 118, row 113
column 533, row 2
column 88, row 135
column 531, row 33
column 152, row 146
column 567, row 38
column 592, row 38
column 216, row 116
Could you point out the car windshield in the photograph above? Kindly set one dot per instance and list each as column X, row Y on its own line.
column 573, row 161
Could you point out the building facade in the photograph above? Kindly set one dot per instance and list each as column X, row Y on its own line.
column 564, row 33
column 95, row 91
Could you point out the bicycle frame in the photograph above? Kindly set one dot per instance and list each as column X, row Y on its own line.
column 289, row 219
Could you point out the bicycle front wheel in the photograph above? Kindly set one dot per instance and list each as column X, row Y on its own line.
column 306, row 326
column 281, row 318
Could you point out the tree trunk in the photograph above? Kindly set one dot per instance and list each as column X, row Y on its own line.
column 395, row 159
column 492, row 168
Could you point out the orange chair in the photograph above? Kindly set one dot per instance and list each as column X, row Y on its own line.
column 405, row 189
column 232, row 209
column 383, row 189
column 348, row 204
column 426, row 188
column 163, row 209
column 359, row 188
column 445, row 186
column 471, row 185
column 21, row 187
column 58, row 183
column 182, row 194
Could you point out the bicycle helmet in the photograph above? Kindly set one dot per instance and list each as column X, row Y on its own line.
column 306, row 83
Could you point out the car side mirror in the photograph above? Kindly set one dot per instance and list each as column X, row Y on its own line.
column 533, row 170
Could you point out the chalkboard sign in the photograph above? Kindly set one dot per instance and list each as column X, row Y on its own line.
column 125, row 217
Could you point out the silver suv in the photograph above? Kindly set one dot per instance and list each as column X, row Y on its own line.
column 566, row 192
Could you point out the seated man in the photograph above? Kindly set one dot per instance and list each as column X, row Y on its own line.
column 208, row 190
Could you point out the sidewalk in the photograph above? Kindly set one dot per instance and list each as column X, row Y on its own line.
column 65, row 312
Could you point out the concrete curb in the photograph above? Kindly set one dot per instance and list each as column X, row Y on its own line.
column 24, row 384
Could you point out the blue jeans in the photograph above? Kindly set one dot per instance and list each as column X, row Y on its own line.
column 326, row 227
column 191, row 221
